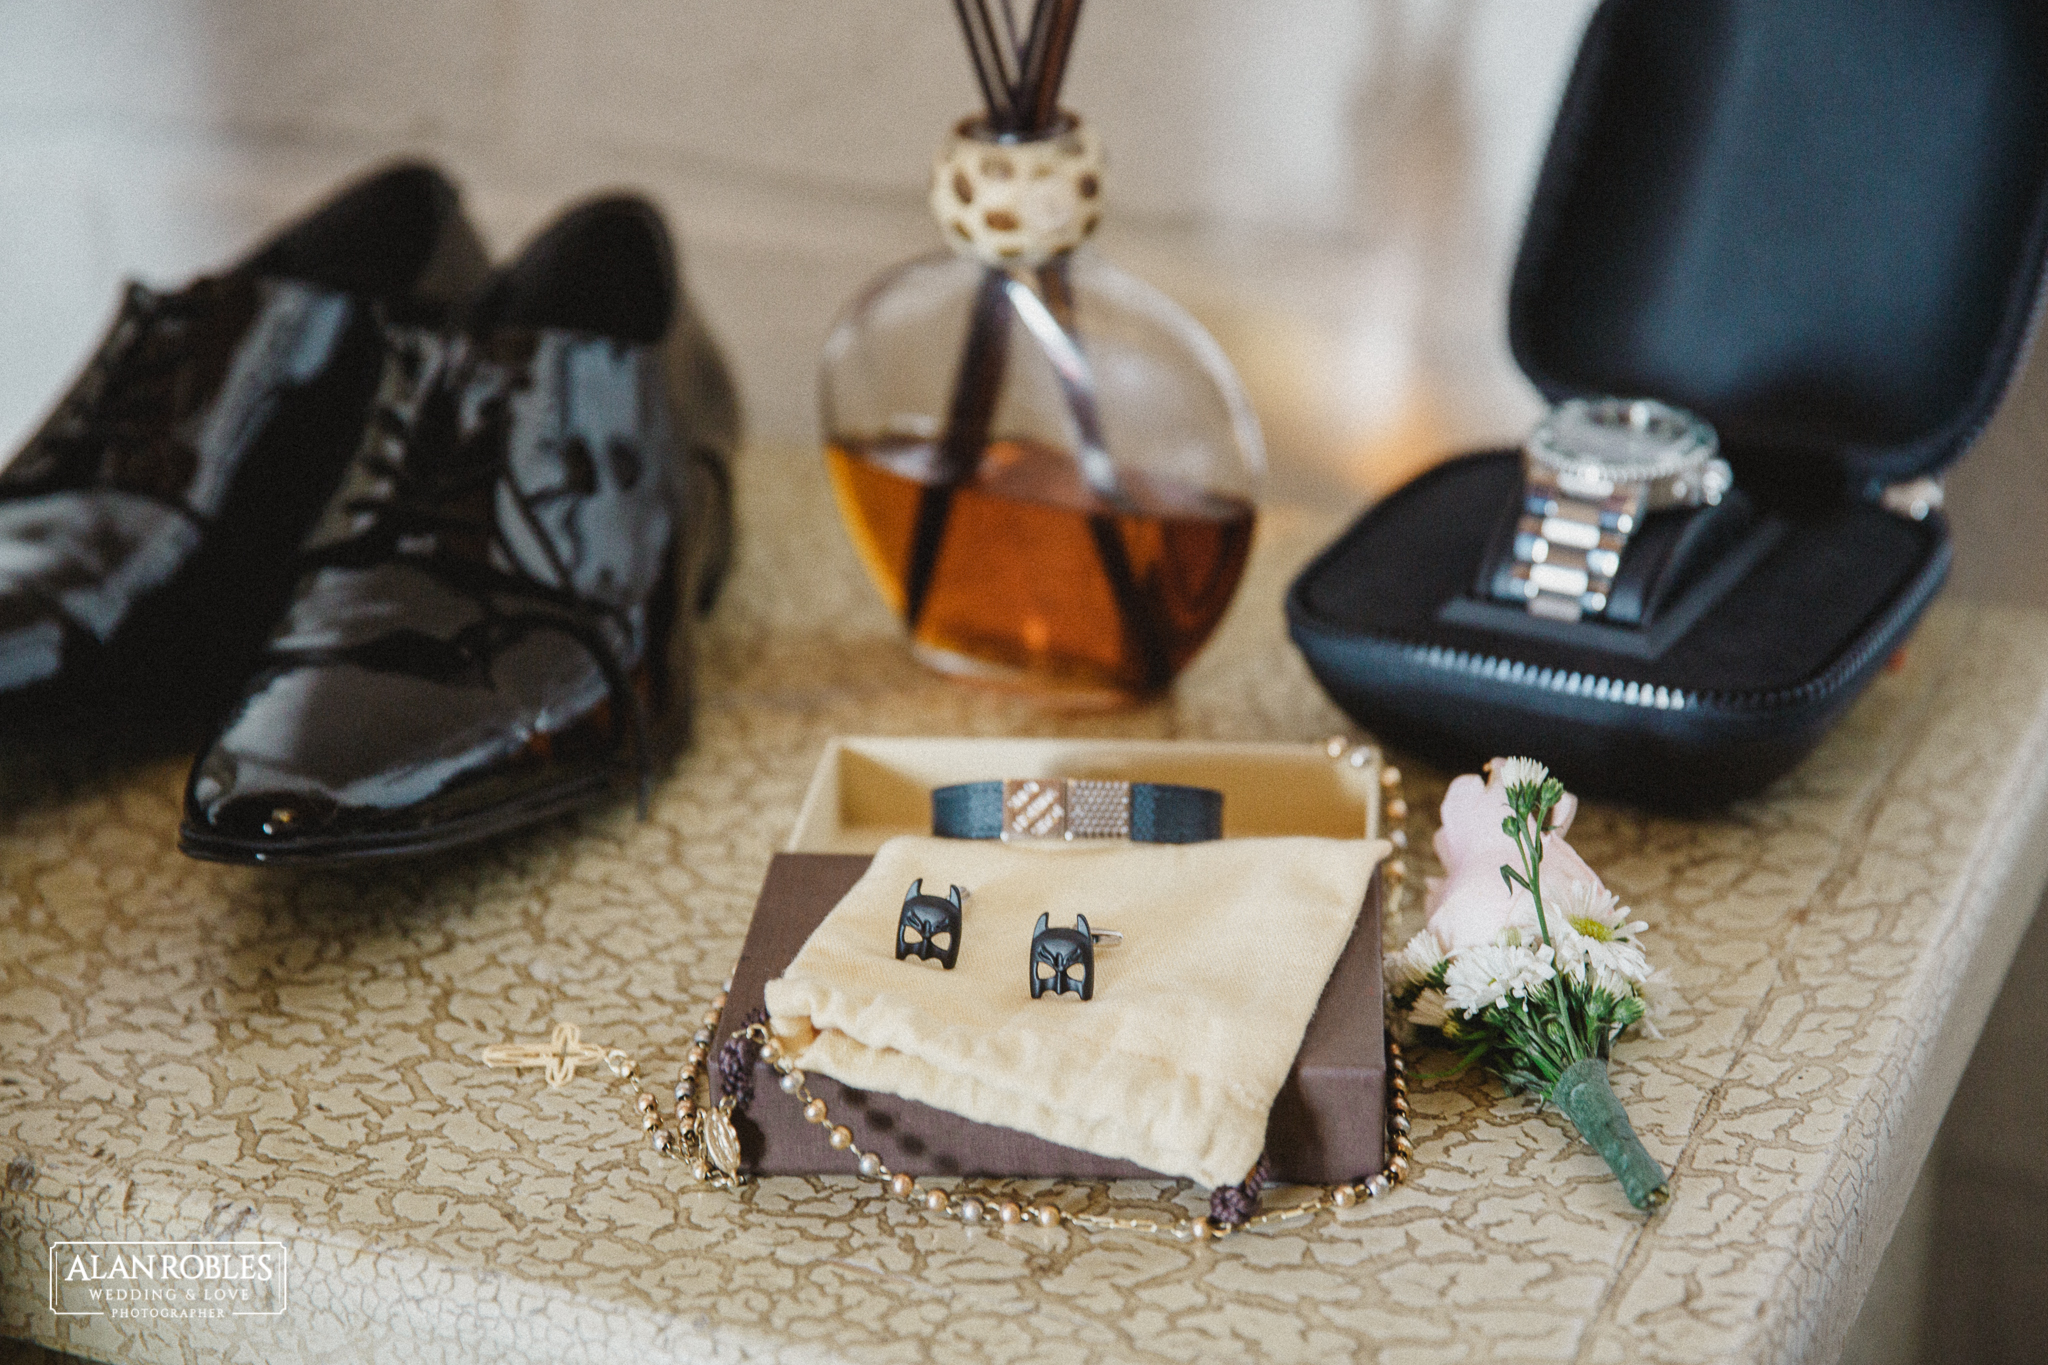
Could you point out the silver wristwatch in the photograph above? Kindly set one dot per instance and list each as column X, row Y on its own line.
column 1592, row 470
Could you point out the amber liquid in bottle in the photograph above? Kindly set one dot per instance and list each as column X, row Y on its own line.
column 1035, row 577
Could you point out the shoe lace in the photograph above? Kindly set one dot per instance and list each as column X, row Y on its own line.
column 430, row 494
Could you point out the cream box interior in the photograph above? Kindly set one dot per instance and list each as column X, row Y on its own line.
column 868, row 789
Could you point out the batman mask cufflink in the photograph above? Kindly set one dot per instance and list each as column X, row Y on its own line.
column 1063, row 960
column 929, row 918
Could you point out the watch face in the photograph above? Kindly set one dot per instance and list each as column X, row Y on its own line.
column 1596, row 445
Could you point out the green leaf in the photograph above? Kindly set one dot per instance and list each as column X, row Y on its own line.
column 1465, row 1064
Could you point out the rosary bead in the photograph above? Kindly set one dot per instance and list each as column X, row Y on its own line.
column 1399, row 1123
column 1201, row 1229
column 1390, row 777
column 685, row 1110
column 685, row 1086
column 626, row 1068
column 1397, row 809
column 785, row 1064
column 1334, row 746
column 814, row 1112
column 702, row 1037
column 1378, row 1186
column 841, row 1138
column 1398, row 1167
column 935, row 1200
column 1009, row 1212
column 901, row 1184
column 791, row 1082
column 970, row 1210
column 711, row 1016
column 1048, row 1216
column 1344, row 1197
column 1399, row 838
column 718, row 1002
column 870, row 1165
column 771, row 1049
column 661, row 1139
column 645, row 1102
column 649, row 1119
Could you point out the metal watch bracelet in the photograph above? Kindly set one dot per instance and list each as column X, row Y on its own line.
column 1567, row 550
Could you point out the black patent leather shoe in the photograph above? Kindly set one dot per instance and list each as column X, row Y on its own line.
column 147, row 528
column 493, row 622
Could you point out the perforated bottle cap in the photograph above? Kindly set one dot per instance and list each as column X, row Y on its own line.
column 1018, row 203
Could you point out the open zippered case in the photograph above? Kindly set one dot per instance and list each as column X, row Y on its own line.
column 1821, row 227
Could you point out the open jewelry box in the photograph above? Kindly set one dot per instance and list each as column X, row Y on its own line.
column 1821, row 228
column 1328, row 1123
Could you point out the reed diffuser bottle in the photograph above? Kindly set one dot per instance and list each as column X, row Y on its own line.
column 1048, row 468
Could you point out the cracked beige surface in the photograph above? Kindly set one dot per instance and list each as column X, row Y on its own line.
column 195, row 1051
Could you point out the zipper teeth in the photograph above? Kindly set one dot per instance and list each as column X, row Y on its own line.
column 1620, row 692
column 1565, row 682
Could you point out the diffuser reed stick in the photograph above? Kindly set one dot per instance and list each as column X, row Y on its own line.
column 1020, row 84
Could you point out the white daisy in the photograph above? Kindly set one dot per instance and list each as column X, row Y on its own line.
column 1616, row 966
column 1592, row 933
column 1414, row 964
column 1429, row 1010
column 1523, row 927
column 1482, row 976
column 1519, row 772
column 1594, row 911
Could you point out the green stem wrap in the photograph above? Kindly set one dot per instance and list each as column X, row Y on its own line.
column 1586, row 1098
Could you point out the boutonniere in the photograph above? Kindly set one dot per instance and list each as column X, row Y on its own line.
column 1528, row 965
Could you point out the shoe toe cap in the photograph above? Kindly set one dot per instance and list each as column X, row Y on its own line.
column 347, row 758
column 277, row 815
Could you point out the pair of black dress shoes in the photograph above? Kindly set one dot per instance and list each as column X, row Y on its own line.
column 419, row 540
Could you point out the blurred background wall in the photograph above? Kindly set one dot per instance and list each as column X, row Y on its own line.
column 1335, row 186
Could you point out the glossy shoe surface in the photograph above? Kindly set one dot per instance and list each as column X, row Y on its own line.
column 147, row 527
column 490, row 626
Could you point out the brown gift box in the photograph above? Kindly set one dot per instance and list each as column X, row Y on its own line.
column 1328, row 1123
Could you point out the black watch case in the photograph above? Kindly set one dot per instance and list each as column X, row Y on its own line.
column 1820, row 227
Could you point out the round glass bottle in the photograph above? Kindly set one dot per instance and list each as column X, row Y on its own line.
column 1048, row 468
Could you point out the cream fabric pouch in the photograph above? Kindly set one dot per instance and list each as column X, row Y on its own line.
column 1196, row 1017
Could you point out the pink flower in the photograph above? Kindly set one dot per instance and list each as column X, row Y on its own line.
column 1470, row 903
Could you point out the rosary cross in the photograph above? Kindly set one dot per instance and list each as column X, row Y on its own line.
column 561, row 1054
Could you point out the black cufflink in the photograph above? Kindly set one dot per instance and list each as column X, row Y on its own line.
column 1063, row 960
column 930, row 918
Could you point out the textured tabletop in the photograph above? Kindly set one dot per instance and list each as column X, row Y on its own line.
column 190, row 1051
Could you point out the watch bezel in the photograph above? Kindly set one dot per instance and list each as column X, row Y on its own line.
column 1683, row 467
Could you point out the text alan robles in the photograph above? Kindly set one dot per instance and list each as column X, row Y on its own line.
column 167, row 1279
